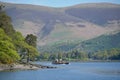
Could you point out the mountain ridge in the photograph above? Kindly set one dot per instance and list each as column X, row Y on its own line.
column 80, row 22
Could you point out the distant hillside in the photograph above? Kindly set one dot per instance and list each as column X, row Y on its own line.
column 103, row 42
column 100, row 43
column 99, row 13
column 69, row 25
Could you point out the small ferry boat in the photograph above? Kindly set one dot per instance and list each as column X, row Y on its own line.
column 60, row 61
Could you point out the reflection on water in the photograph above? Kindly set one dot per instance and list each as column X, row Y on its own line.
column 108, row 72
column 73, row 71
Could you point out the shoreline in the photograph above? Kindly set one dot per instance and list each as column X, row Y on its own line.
column 13, row 67
column 75, row 60
column 30, row 66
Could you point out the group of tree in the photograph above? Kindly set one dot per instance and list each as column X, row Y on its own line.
column 72, row 55
column 13, row 46
column 77, row 55
column 112, row 54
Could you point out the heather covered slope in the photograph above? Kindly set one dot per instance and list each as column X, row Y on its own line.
column 99, row 13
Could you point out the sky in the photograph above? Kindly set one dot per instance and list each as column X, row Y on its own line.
column 59, row 3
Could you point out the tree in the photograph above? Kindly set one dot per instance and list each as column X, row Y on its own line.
column 28, row 52
column 13, row 44
column 52, row 57
column 1, row 7
column 31, row 40
column 59, row 55
column 8, row 53
column 5, row 24
column 32, row 52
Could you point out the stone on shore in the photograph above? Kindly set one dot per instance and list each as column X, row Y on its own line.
column 17, row 66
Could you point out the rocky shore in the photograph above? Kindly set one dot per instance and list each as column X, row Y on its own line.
column 4, row 67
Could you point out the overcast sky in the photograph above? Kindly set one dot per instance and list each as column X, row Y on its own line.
column 59, row 3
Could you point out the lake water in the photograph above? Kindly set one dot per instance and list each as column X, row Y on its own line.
column 73, row 71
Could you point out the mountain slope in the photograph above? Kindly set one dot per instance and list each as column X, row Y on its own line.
column 103, row 42
column 96, row 13
column 100, row 43
column 75, row 23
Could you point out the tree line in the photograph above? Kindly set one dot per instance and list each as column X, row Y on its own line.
column 112, row 54
column 77, row 55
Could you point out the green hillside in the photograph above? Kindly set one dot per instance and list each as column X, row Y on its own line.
column 104, row 42
column 105, row 47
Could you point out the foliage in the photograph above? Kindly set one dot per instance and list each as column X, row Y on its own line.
column 31, row 40
column 44, row 56
column 1, row 7
column 104, row 42
column 12, row 42
column 30, row 47
column 76, row 55
column 33, row 52
column 60, row 46
column 73, row 55
column 112, row 54
column 5, row 24
column 8, row 53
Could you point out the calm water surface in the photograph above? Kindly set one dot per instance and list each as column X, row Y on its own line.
column 73, row 71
